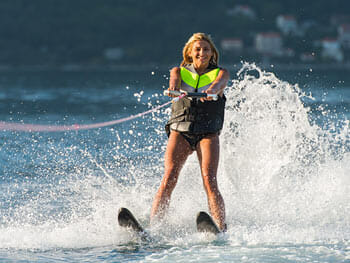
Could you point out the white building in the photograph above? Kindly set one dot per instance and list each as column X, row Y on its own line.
column 269, row 44
column 344, row 35
column 331, row 50
column 232, row 44
column 242, row 10
column 287, row 24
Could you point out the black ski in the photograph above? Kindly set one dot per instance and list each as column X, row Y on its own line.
column 126, row 219
column 206, row 224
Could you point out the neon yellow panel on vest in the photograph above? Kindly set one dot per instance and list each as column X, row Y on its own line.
column 208, row 78
column 188, row 77
column 196, row 81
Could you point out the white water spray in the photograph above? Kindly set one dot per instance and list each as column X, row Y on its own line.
column 283, row 178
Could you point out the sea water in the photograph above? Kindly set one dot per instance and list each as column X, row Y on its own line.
column 284, row 169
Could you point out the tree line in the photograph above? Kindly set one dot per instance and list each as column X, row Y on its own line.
column 54, row 32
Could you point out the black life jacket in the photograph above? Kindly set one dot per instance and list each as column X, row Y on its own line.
column 194, row 116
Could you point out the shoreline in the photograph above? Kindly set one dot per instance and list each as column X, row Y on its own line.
column 153, row 67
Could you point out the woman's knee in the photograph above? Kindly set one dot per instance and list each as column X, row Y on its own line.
column 169, row 182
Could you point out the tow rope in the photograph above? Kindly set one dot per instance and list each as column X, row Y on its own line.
column 23, row 127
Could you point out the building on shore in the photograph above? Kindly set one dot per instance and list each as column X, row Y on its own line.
column 269, row 44
column 331, row 50
column 287, row 24
column 344, row 35
column 232, row 44
column 242, row 10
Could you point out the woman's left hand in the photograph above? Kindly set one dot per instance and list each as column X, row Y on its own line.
column 208, row 91
column 218, row 85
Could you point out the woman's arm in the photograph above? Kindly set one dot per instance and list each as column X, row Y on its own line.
column 220, row 83
column 175, row 79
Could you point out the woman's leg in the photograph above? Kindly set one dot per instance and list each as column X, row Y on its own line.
column 178, row 149
column 208, row 150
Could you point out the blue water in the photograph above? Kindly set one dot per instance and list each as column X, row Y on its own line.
column 284, row 169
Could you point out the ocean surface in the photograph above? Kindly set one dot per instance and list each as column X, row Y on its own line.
column 284, row 169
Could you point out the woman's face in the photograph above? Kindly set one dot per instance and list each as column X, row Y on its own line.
column 201, row 53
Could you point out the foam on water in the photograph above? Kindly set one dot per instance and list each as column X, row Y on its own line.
column 282, row 174
column 284, row 179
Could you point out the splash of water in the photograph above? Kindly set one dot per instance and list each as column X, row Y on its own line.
column 283, row 177
column 280, row 172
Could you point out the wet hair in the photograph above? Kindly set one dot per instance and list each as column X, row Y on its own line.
column 188, row 46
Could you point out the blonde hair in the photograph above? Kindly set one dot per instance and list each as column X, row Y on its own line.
column 187, row 59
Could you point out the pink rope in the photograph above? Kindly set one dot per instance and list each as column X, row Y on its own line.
column 8, row 126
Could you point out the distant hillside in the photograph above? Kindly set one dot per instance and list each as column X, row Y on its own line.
column 54, row 32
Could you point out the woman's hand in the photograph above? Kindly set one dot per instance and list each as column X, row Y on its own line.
column 208, row 91
column 218, row 86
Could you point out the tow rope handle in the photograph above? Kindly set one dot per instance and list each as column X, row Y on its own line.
column 181, row 94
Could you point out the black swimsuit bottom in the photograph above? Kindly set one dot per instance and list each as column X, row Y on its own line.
column 194, row 139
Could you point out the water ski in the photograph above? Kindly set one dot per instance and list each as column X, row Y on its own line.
column 206, row 224
column 126, row 219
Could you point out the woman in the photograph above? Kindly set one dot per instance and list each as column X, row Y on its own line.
column 195, row 124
